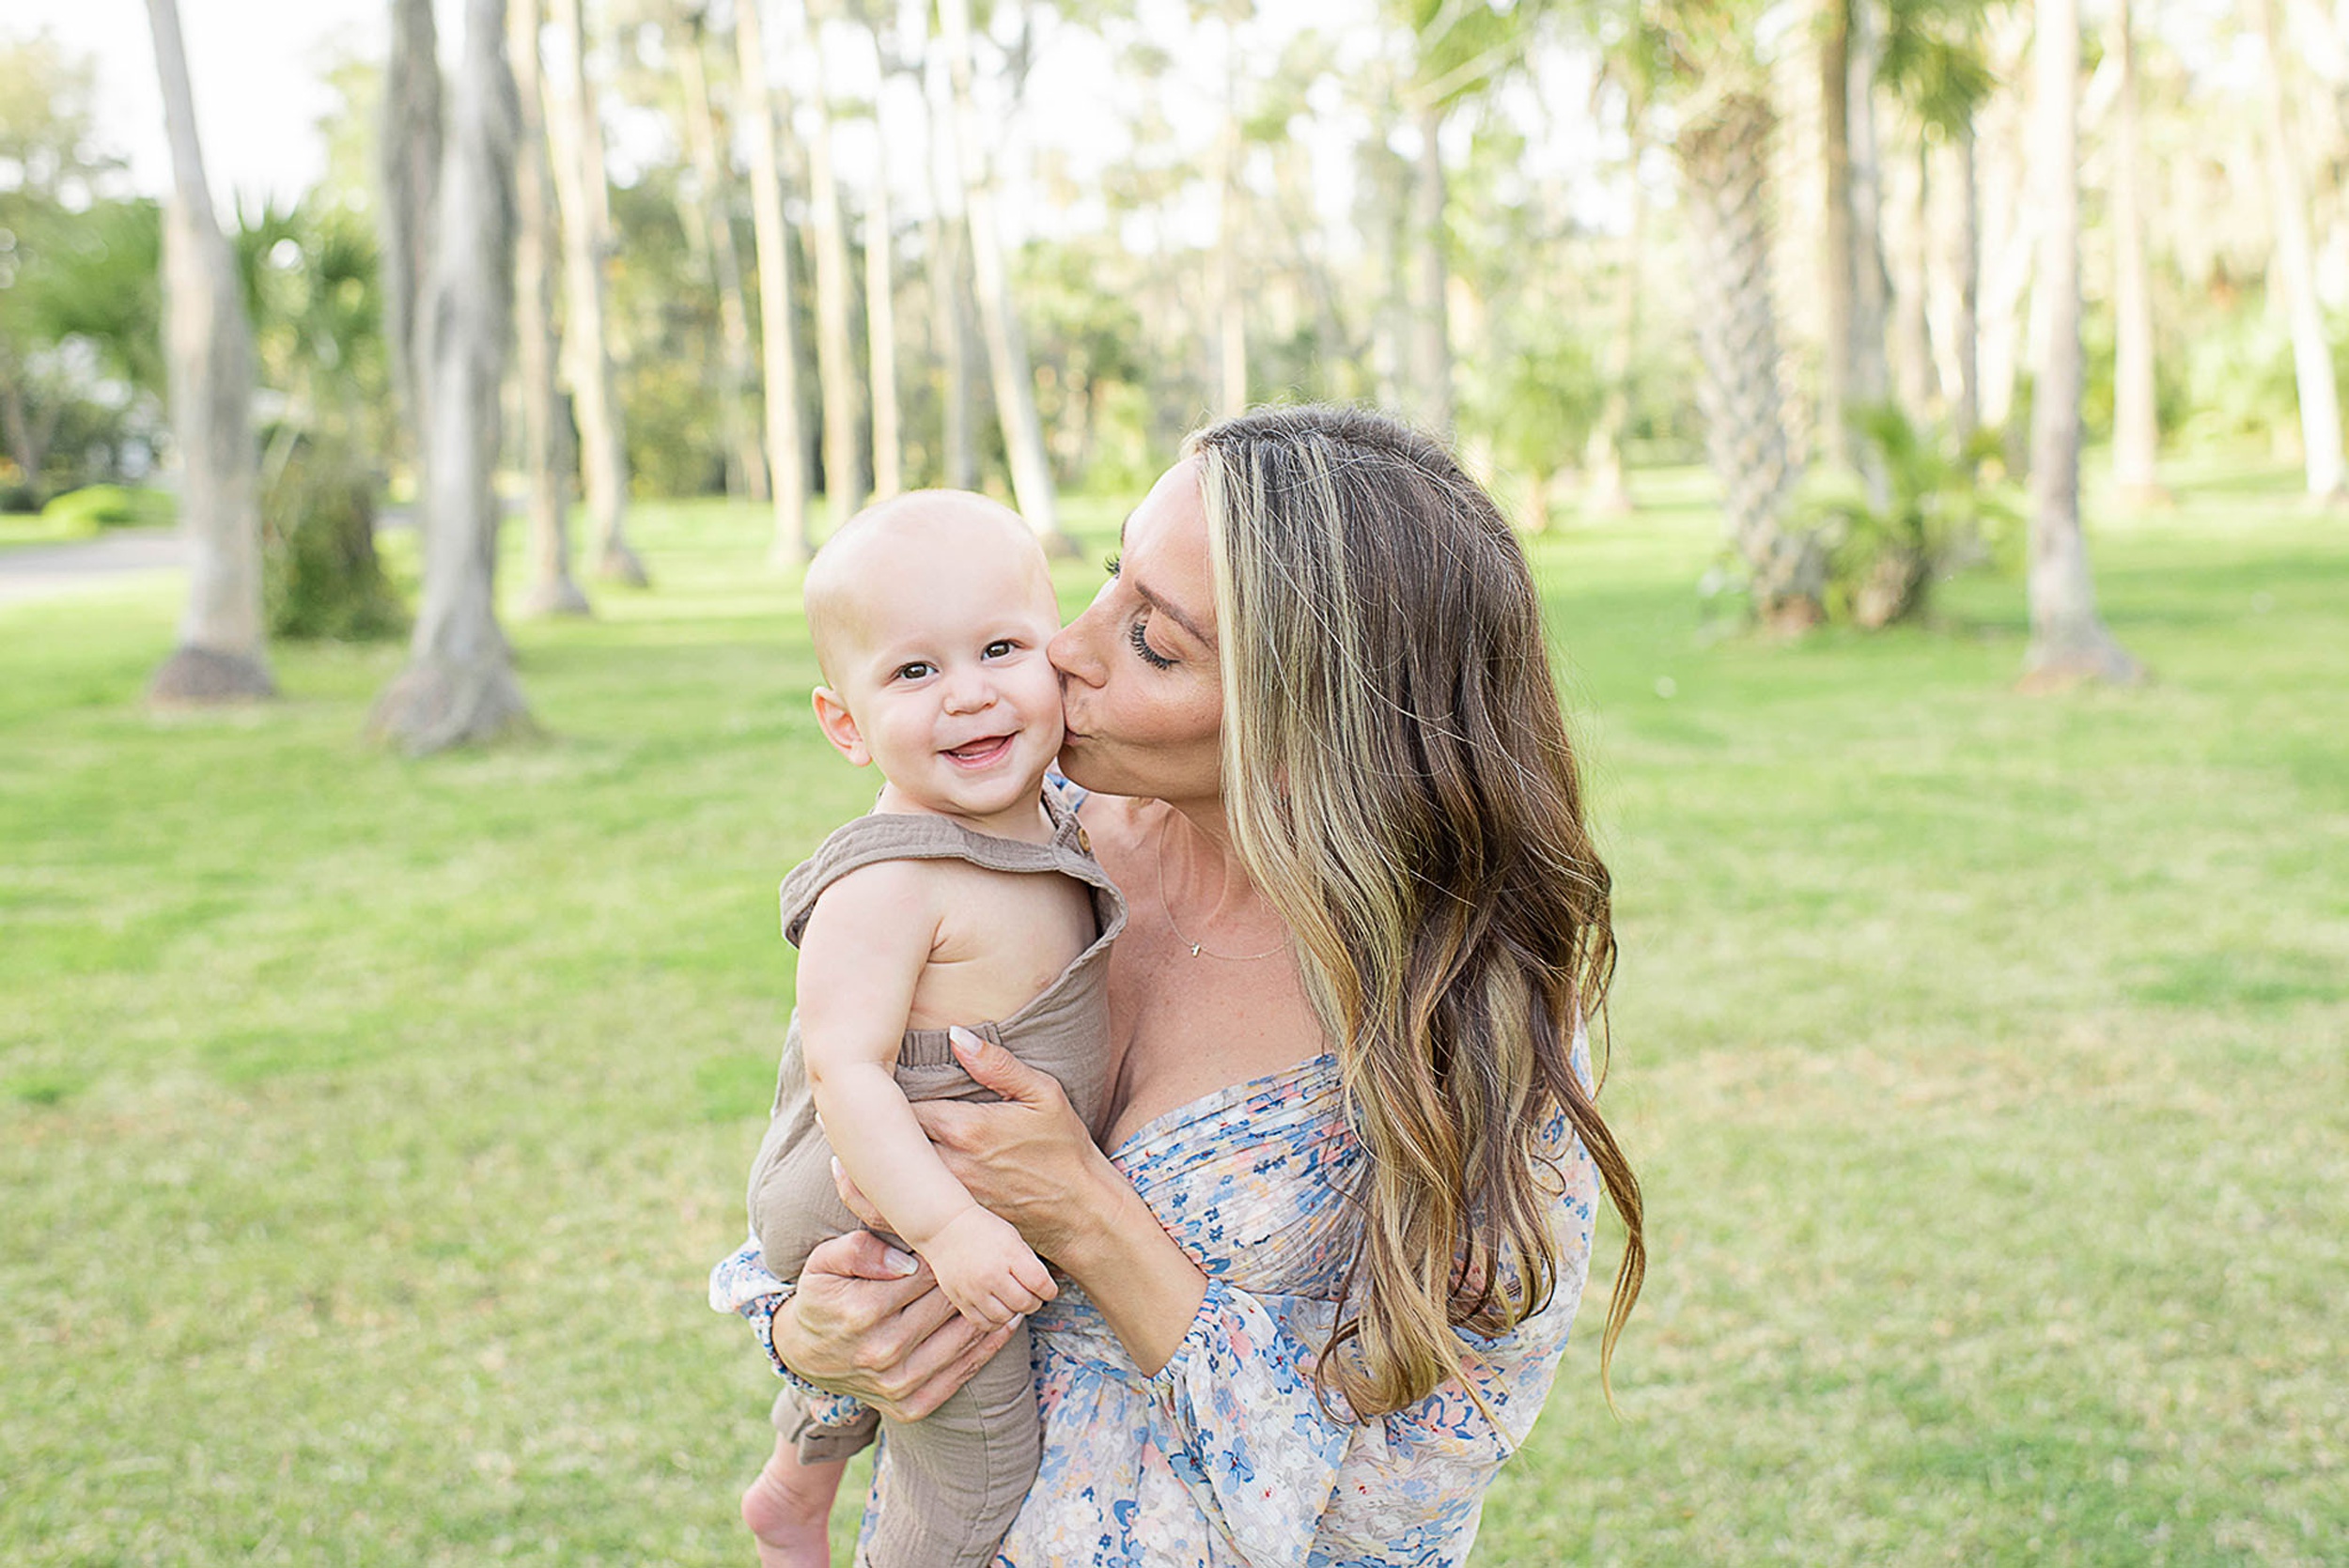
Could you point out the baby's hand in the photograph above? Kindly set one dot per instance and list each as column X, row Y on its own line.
column 986, row 1271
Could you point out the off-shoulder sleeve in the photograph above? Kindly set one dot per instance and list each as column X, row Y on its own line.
column 1274, row 1466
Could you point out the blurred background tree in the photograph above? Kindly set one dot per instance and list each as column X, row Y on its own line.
column 1028, row 244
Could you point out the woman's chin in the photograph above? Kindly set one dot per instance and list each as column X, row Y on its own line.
column 1080, row 767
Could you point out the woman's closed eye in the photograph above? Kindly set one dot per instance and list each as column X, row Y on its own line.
column 1150, row 656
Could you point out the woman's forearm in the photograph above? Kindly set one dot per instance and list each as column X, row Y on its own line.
column 1145, row 1287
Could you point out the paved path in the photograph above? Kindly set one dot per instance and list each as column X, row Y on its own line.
column 29, row 573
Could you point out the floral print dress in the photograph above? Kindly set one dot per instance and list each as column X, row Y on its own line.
column 1227, row 1456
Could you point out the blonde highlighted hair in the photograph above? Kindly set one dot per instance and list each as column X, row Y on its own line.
column 1399, row 785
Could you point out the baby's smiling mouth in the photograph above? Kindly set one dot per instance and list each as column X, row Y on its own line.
column 979, row 753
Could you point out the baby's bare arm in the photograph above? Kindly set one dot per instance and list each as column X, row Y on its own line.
column 860, row 958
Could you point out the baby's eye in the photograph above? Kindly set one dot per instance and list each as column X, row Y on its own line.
column 917, row 669
column 1000, row 648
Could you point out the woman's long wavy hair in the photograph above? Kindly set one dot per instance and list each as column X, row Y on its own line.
column 1399, row 785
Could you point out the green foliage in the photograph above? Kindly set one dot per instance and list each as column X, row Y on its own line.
column 1932, row 60
column 94, row 508
column 80, row 360
column 309, row 273
column 667, row 359
column 321, row 578
column 1934, row 515
column 1085, row 340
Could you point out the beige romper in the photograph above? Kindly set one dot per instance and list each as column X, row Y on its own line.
column 955, row 1477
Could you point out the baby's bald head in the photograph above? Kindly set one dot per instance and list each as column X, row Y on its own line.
column 854, row 575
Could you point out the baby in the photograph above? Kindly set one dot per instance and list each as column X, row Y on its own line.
column 966, row 896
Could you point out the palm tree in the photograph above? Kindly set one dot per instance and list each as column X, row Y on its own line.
column 2068, row 640
column 709, row 212
column 459, row 687
column 1704, row 50
column 554, row 590
column 1934, row 63
column 576, row 132
column 220, row 655
column 835, row 353
column 2294, row 272
column 2135, row 425
column 410, row 162
column 787, row 461
column 998, row 317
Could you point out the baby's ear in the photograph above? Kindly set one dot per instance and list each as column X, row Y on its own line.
column 839, row 726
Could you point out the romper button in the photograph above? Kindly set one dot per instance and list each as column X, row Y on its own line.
column 1083, row 843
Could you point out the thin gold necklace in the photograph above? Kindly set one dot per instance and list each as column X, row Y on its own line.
column 1200, row 950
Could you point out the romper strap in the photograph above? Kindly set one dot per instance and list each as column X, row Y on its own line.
column 912, row 836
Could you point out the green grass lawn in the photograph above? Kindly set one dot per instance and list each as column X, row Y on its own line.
column 367, row 1126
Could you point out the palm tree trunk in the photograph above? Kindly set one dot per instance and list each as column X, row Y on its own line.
column 1870, row 380
column 779, row 350
column 2135, row 427
column 2068, row 641
column 1840, row 279
column 1431, row 344
column 1231, row 312
column 577, row 137
column 1966, row 411
column 552, row 589
column 835, row 353
column 949, row 273
column 1605, row 493
column 459, row 687
column 1723, row 159
column 881, row 251
column 1854, row 372
column 220, row 655
column 711, row 215
column 2294, row 273
column 1912, row 341
column 409, row 139
column 945, row 241
column 1006, row 345
column 2009, row 231
column 880, row 321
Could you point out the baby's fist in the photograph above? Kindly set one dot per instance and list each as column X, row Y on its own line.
column 986, row 1271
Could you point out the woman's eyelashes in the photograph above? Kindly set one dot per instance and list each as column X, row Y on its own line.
column 1109, row 564
column 1150, row 656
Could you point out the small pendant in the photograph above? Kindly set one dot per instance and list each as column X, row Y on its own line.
column 1194, row 950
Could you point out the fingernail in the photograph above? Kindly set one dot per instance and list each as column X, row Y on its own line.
column 964, row 1040
column 904, row 1262
column 835, row 1168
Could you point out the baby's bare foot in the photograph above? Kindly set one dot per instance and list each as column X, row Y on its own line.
column 787, row 1509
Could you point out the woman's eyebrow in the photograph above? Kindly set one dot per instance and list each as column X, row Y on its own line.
column 1164, row 607
column 1167, row 609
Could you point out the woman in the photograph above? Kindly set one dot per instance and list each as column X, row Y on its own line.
column 1321, row 1283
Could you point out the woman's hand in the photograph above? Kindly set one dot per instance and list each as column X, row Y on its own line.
column 1030, row 1159
column 1028, row 1156
column 870, row 1322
